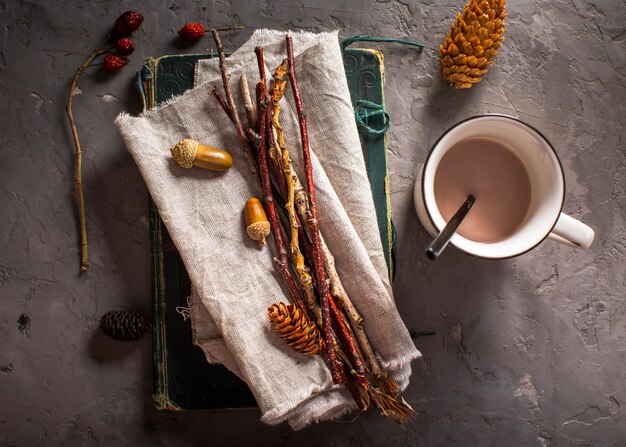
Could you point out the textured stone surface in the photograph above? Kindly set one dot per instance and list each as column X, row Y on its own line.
column 529, row 351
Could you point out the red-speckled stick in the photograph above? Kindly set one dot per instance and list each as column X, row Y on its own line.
column 318, row 261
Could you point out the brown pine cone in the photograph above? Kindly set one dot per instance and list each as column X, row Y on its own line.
column 472, row 42
column 124, row 325
column 296, row 328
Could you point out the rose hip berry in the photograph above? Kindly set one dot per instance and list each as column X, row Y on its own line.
column 125, row 46
column 192, row 31
column 128, row 22
column 113, row 63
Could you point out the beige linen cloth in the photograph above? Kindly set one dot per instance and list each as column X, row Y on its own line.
column 234, row 281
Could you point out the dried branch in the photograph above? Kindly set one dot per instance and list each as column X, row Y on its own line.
column 270, row 205
column 248, row 105
column 78, row 171
column 234, row 115
column 340, row 342
column 401, row 411
column 356, row 320
column 395, row 408
column 318, row 263
column 274, row 154
column 289, row 175
column 222, row 102
column 226, row 81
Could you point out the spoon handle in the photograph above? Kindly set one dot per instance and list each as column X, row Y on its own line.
column 441, row 241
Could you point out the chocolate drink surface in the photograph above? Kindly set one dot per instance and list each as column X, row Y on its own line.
column 498, row 180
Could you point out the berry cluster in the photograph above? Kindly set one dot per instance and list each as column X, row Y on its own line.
column 124, row 26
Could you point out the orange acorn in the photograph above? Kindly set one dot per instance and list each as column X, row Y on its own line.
column 257, row 225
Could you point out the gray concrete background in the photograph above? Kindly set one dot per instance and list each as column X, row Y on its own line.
column 529, row 351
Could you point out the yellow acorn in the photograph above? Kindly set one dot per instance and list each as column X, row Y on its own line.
column 472, row 42
column 189, row 153
column 258, row 227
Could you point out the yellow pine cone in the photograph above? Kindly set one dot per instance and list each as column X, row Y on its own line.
column 296, row 328
column 472, row 42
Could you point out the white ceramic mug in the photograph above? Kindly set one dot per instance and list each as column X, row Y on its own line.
column 544, row 218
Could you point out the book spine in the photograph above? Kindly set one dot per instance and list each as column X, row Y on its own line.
column 146, row 86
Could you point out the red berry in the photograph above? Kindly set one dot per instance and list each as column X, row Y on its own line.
column 128, row 22
column 192, row 31
column 125, row 46
column 113, row 63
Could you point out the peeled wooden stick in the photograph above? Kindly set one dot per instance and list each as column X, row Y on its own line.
column 248, row 105
column 348, row 344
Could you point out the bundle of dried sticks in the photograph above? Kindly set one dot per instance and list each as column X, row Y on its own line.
column 346, row 347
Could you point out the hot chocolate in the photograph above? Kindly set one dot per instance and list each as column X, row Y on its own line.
column 498, row 180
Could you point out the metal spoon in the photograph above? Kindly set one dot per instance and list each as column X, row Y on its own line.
column 441, row 241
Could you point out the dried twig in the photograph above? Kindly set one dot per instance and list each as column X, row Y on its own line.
column 234, row 116
column 289, row 175
column 399, row 410
column 356, row 320
column 318, row 263
column 265, row 138
column 226, row 82
column 336, row 286
column 78, row 172
column 222, row 102
column 248, row 105
column 270, row 205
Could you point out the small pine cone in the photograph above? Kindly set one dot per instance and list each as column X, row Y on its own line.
column 296, row 328
column 472, row 42
column 124, row 325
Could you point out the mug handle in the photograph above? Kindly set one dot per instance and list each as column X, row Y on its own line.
column 572, row 232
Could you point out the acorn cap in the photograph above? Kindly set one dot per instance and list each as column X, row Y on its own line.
column 259, row 231
column 185, row 152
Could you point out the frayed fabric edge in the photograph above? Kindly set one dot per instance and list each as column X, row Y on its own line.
column 280, row 412
column 402, row 361
column 275, row 32
column 332, row 414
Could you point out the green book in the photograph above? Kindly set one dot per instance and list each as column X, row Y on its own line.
column 182, row 378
